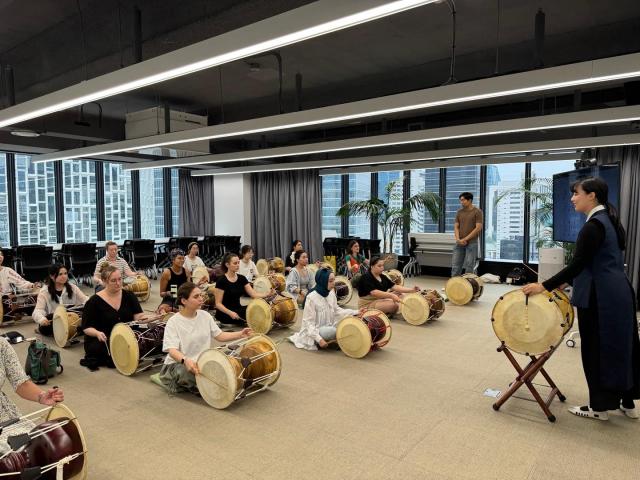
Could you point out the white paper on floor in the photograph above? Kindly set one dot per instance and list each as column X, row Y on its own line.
column 490, row 392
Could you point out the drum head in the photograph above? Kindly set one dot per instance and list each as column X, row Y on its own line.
column 259, row 316
column 263, row 267
column 218, row 382
column 198, row 274
column 2, row 299
column 313, row 268
column 348, row 290
column 415, row 308
column 353, row 337
column 277, row 265
column 125, row 352
column 459, row 290
column 62, row 411
column 268, row 342
column 543, row 330
column 61, row 326
column 395, row 276
column 262, row 285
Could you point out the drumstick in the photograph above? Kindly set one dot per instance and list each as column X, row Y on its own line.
column 212, row 380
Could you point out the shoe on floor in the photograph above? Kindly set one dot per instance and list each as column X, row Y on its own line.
column 588, row 413
column 630, row 412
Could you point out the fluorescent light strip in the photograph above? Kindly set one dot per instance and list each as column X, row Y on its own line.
column 541, row 122
column 310, row 21
column 573, row 75
column 408, row 158
column 458, row 162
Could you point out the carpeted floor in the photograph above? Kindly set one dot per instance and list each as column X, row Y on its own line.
column 413, row 410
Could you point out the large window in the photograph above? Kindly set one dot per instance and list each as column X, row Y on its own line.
column 4, row 203
column 36, row 201
column 175, row 201
column 425, row 180
column 331, row 202
column 458, row 180
column 118, row 202
column 394, row 200
column 359, row 189
column 152, row 203
column 80, row 212
column 504, row 212
column 541, row 224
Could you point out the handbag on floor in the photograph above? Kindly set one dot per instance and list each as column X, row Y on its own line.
column 42, row 363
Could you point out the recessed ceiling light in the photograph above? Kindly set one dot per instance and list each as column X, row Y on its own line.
column 25, row 133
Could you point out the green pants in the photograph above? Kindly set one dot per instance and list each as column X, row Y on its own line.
column 176, row 378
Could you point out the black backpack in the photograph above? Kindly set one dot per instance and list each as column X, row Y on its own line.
column 42, row 363
column 517, row 276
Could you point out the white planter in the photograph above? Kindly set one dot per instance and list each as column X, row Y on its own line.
column 551, row 262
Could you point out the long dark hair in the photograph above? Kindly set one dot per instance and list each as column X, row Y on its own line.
column 298, row 254
column 54, row 271
column 295, row 242
column 601, row 189
column 350, row 246
column 226, row 259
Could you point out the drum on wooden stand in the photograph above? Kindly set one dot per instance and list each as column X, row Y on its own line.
column 43, row 443
column 140, row 286
column 276, row 265
column 357, row 335
column 395, row 276
column 198, row 274
column 532, row 325
column 344, row 290
column 421, row 307
column 66, row 325
column 461, row 290
column 262, row 266
column 237, row 370
column 132, row 344
column 264, row 314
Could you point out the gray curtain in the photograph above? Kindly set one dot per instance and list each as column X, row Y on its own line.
column 286, row 206
column 629, row 158
column 196, row 205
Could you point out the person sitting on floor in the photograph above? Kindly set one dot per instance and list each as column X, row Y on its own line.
column 187, row 334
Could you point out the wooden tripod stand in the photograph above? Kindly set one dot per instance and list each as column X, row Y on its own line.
column 526, row 376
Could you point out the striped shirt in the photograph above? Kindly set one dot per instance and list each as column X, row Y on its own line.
column 8, row 277
column 120, row 263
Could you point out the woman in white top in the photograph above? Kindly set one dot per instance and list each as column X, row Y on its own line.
column 321, row 314
column 300, row 279
column 58, row 291
column 247, row 267
column 186, row 335
column 192, row 260
column 9, row 277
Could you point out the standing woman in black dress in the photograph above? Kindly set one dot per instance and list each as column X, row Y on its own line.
column 606, row 305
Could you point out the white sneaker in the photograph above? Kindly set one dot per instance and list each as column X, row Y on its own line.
column 630, row 412
column 587, row 412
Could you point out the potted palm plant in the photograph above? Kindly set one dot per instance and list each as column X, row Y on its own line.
column 391, row 213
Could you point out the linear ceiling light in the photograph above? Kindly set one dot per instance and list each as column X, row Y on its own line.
column 573, row 75
column 407, row 158
column 540, row 122
column 304, row 23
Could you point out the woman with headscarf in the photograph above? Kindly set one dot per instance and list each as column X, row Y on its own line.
column 171, row 279
column 321, row 314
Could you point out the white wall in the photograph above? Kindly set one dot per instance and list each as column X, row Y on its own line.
column 232, row 204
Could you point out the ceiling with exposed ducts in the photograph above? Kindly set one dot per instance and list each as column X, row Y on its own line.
column 47, row 45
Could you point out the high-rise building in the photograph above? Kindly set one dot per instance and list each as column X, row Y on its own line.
column 175, row 201
column 152, row 203
column 4, row 203
column 118, row 202
column 424, row 180
column 359, row 189
column 36, row 201
column 331, row 202
column 395, row 202
column 80, row 212
column 458, row 180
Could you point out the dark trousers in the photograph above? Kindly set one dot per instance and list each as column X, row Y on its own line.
column 46, row 330
column 601, row 398
column 224, row 318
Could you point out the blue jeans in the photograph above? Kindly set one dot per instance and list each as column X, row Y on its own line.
column 464, row 256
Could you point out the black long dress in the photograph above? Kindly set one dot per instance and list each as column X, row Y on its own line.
column 98, row 314
column 606, row 315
